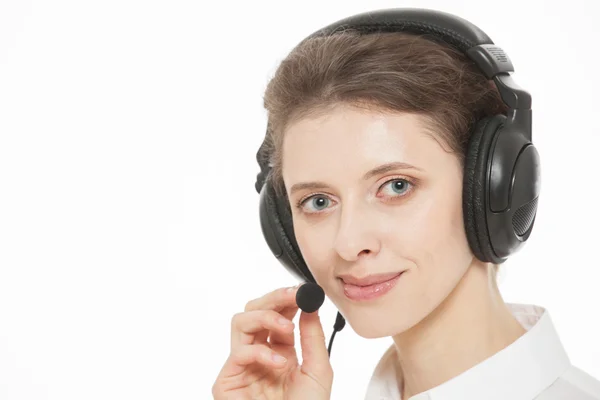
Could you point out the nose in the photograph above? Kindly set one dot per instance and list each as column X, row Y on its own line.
column 357, row 235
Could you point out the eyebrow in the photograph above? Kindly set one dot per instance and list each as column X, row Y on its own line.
column 382, row 169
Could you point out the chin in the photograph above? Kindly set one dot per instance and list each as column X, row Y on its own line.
column 381, row 330
column 372, row 332
column 371, row 324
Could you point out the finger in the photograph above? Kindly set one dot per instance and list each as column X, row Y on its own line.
column 276, row 300
column 281, row 337
column 315, row 359
column 245, row 326
column 282, row 300
column 252, row 354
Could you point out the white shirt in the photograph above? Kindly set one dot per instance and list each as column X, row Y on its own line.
column 535, row 366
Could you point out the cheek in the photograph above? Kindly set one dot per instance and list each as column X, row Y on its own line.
column 451, row 255
column 436, row 247
column 315, row 245
column 436, row 239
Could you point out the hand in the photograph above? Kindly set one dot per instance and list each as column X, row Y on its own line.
column 259, row 341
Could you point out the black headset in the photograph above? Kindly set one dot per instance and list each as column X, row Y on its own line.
column 502, row 169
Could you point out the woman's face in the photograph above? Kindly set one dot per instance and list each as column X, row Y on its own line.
column 372, row 196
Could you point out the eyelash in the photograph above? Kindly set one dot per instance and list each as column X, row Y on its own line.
column 411, row 182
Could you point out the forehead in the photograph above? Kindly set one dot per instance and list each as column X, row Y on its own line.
column 350, row 140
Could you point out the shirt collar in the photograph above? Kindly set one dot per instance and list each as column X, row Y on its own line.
column 522, row 370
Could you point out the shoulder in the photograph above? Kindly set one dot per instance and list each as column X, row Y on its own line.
column 573, row 384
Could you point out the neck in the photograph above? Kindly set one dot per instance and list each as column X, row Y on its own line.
column 472, row 324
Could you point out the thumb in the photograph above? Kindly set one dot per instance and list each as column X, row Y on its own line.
column 315, row 359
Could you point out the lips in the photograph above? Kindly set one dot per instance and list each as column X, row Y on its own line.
column 368, row 280
column 370, row 287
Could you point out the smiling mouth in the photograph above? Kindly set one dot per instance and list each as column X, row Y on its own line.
column 371, row 287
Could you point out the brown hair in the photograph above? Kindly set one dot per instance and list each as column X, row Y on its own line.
column 398, row 72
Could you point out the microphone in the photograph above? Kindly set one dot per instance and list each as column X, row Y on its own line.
column 310, row 297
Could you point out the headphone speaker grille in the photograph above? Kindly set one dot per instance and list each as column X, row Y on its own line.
column 524, row 216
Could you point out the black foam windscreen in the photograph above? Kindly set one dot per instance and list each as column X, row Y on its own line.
column 310, row 297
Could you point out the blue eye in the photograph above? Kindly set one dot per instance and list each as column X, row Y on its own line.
column 318, row 202
column 398, row 186
column 314, row 204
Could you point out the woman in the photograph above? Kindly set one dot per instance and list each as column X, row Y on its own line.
column 369, row 137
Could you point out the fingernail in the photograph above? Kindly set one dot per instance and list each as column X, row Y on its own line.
column 278, row 359
column 284, row 321
column 291, row 289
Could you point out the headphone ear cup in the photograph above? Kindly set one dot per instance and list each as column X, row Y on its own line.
column 475, row 187
column 277, row 227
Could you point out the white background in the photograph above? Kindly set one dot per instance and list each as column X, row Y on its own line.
column 129, row 231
